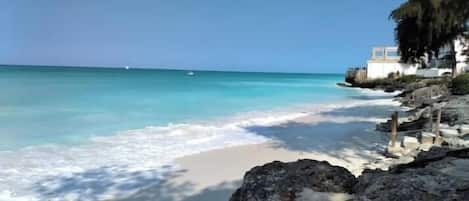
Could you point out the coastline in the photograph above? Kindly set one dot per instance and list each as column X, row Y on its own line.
column 216, row 174
column 312, row 131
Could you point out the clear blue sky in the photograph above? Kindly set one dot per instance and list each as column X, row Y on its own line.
column 242, row 35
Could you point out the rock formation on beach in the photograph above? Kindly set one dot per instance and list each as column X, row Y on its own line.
column 431, row 162
column 440, row 174
column 285, row 181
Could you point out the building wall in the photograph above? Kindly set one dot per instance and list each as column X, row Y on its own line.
column 461, row 65
column 376, row 69
column 432, row 72
column 385, row 60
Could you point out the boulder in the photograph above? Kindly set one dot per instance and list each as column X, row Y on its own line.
column 439, row 174
column 455, row 142
column 456, row 111
column 285, row 181
column 418, row 97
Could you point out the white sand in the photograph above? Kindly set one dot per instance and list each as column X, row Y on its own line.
column 214, row 175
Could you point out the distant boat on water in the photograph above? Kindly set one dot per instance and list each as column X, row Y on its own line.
column 190, row 73
column 127, row 67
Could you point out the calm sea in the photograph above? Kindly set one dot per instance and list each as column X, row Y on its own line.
column 95, row 133
column 59, row 105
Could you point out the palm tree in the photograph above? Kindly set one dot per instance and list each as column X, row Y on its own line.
column 425, row 26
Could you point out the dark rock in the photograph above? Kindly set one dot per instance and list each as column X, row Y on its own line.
column 411, row 185
column 440, row 174
column 282, row 181
column 456, row 111
column 423, row 96
column 386, row 84
column 389, row 89
column 340, row 84
column 417, row 125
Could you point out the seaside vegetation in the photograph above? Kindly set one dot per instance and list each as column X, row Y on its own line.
column 408, row 78
column 426, row 26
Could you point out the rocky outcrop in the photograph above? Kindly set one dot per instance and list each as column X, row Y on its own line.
column 439, row 174
column 424, row 96
column 456, row 111
column 407, row 84
column 285, row 181
column 415, row 125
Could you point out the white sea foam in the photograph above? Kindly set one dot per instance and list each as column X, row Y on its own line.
column 128, row 161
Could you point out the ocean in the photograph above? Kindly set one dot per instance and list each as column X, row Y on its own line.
column 54, row 105
column 57, row 122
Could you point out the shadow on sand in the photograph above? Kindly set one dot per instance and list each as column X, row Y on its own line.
column 170, row 192
column 105, row 183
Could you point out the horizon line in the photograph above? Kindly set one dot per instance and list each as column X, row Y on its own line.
column 163, row 68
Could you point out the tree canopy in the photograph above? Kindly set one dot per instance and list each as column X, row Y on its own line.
column 425, row 26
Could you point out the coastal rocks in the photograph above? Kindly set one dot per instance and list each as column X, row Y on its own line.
column 455, row 142
column 415, row 125
column 455, row 136
column 285, row 181
column 409, row 147
column 439, row 174
column 434, row 175
column 340, row 84
column 456, row 111
column 412, row 185
column 424, row 96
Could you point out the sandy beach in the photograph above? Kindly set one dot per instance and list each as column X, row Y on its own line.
column 214, row 175
column 350, row 142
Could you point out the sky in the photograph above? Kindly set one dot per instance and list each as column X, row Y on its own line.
column 234, row 35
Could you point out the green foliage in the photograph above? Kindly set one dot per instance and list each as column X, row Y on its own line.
column 440, row 81
column 424, row 26
column 460, row 84
column 377, row 83
column 408, row 78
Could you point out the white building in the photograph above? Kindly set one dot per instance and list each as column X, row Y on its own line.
column 461, row 60
column 386, row 60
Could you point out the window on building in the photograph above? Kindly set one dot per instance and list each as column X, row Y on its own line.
column 392, row 53
column 379, row 54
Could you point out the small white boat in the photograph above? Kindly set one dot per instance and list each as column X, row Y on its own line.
column 127, row 67
column 190, row 73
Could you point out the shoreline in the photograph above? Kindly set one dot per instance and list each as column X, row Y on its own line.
column 343, row 121
column 216, row 174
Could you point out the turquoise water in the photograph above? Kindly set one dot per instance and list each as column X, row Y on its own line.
column 44, row 105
